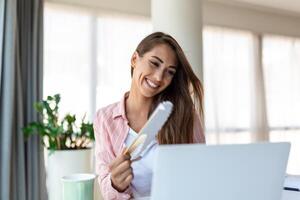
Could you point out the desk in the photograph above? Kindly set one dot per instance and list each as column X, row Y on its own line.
column 290, row 195
column 286, row 195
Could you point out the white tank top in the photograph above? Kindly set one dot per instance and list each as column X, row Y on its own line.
column 142, row 169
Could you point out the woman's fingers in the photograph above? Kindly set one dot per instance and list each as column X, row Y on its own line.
column 124, row 175
column 121, row 168
column 121, row 172
column 121, row 176
column 122, row 185
column 121, row 158
column 128, row 180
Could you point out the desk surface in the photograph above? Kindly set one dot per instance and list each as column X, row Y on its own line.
column 286, row 195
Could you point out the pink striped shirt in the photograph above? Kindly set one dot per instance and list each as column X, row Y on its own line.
column 111, row 129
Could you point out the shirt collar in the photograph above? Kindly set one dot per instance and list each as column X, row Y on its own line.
column 119, row 110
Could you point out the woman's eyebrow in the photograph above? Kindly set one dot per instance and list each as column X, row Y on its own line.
column 160, row 60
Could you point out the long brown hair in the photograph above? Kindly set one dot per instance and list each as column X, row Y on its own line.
column 185, row 92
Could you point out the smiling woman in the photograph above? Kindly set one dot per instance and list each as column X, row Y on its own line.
column 154, row 70
column 160, row 71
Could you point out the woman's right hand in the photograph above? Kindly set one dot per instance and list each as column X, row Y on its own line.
column 121, row 172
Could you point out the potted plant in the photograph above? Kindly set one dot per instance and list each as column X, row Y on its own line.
column 67, row 144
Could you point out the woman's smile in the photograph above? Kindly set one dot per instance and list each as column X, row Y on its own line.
column 151, row 84
column 153, row 72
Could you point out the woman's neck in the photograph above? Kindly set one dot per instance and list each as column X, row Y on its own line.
column 138, row 105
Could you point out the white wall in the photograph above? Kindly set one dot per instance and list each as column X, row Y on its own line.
column 181, row 20
column 260, row 20
column 234, row 15
column 141, row 7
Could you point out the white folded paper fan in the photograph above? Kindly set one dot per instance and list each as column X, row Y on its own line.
column 152, row 127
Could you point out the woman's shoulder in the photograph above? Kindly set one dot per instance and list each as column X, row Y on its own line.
column 107, row 123
column 106, row 112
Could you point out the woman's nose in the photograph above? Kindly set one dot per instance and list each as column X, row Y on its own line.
column 159, row 75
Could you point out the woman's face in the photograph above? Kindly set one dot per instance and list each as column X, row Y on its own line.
column 154, row 71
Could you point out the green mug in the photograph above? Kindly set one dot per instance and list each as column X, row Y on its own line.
column 78, row 187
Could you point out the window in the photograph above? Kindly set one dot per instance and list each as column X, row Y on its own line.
column 117, row 39
column 67, row 58
column 87, row 56
column 227, row 56
column 281, row 61
column 249, row 76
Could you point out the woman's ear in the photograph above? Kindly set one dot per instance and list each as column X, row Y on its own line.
column 134, row 58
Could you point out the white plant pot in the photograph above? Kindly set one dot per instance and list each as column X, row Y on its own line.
column 62, row 163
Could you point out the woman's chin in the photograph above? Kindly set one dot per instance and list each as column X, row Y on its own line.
column 148, row 94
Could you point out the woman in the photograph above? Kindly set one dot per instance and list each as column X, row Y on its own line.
column 160, row 71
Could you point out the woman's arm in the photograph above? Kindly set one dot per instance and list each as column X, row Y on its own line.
column 104, row 156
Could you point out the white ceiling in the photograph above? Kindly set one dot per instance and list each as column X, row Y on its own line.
column 290, row 7
column 285, row 5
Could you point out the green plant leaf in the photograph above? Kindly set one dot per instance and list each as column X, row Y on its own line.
column 38, row 107
column 60, row 134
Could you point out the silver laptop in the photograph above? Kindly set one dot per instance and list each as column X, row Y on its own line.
column 222, row 172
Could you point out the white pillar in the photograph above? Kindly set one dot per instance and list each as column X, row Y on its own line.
column 182, row 19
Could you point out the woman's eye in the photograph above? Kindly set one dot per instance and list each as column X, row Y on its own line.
column 154, row 63
column 171, row 72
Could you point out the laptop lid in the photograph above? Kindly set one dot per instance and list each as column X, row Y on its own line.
column 227, row 172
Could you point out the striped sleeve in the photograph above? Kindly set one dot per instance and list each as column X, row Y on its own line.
column 104, row 156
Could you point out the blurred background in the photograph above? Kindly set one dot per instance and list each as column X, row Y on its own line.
column 249, row 62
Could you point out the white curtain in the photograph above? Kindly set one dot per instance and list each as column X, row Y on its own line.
column 118, row 36
column 252, row 89
column 281, row 63
column 282, row 71
column 234, row 88
column 87, row 55
column 67, row 42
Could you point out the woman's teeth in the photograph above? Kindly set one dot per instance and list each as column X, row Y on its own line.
column 151, row 84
